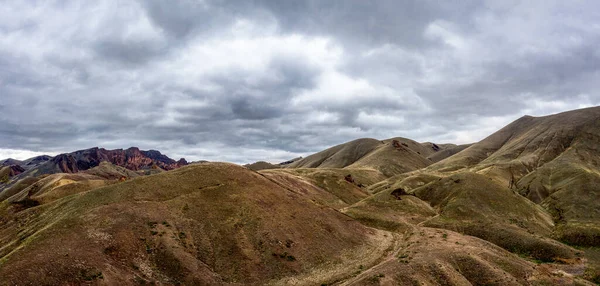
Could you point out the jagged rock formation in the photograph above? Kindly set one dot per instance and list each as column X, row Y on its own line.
column 23, row 173
column 132, row 159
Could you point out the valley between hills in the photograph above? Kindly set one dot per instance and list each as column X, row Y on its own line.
column 520, row 207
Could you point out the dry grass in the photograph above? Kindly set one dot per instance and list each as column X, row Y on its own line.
column 327, row 186
column 441, row 257
column 222, row 223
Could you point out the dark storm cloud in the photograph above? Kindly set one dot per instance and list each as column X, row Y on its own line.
column 265, row 79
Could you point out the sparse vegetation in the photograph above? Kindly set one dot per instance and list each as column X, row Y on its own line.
column 375, row 278
column 91, row 275
column 285, row 256
column 4, row 178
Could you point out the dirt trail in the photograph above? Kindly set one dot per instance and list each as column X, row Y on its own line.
column 373, row 270
column 429, row 219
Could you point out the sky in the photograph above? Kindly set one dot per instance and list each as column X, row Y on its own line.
column 242, row 81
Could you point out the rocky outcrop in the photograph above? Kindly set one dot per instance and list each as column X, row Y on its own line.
column 15, row 170
column 290, row 161
column 182, row 162
column 66, row 163
column 349, row 178
column 132, row 159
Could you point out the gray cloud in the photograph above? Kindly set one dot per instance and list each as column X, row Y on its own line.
column 128, row 52
column 231, row 81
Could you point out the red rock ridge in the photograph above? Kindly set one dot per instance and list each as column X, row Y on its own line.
column 132, row 159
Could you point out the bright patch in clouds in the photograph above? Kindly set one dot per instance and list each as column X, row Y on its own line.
column 22, row 154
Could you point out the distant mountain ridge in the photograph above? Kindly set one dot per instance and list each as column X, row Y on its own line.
column 132, row 158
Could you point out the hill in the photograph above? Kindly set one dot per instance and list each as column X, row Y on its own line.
column 548, row 166
column 336, row 188
column 217, row 223
column 211, row 223
column 390, row 157
column 262, row 165
column 552, row 160
column 447, row 152
column 27, row 164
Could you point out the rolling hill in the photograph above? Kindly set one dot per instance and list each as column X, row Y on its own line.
column 390, row 157
column 547, row 166
column 551, row 160
column 210, row 223
column 217, row 223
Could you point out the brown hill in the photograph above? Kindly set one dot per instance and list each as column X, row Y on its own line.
column 216, row 223
column 261, row 165
column 338, row 156
column 336, row 188
column 552, row 161
column 447, row 152
column 111, row 171
column 32, row 192
column 529, row 142
column 210, row 223
column 390, row 157
column 468, row 203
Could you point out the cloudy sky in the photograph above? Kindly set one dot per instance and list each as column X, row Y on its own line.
column 273, row 79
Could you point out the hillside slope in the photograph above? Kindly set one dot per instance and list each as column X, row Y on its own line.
column 210, row 223
column 552, row 161
column 336, row 188
column 216, row 223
